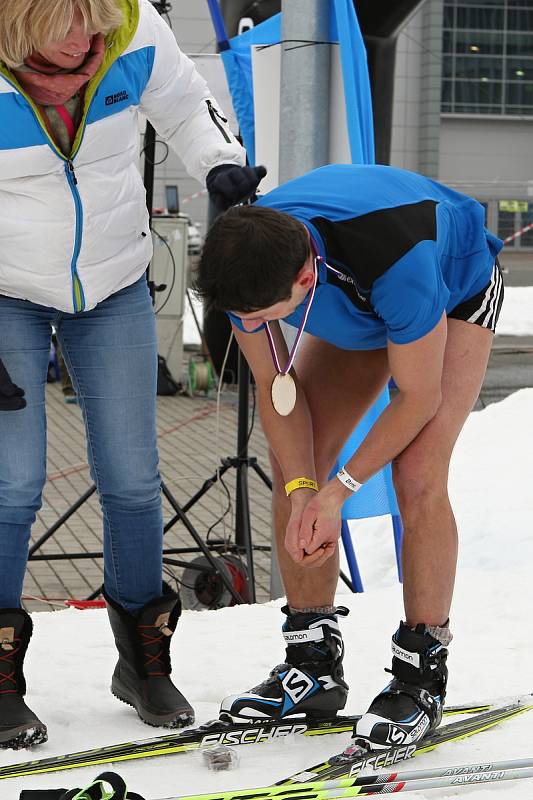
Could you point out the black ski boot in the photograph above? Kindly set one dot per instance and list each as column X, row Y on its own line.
column 310, row 683
column 411, row 705
column 141, row 676
column 19, row 727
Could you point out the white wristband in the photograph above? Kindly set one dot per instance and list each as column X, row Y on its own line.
column 348, row 481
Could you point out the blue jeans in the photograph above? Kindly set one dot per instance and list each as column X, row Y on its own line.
column 111, row 354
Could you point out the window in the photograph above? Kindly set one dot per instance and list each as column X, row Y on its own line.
column 513, row 215
column 488, row 57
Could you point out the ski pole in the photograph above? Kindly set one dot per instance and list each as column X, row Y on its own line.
column 380, row 778
column 345, row 788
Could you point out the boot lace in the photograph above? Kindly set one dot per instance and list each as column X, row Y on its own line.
column 154, row 641
column 7, row 654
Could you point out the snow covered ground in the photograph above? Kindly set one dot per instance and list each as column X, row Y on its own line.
column 71, row 657
column 516, row 318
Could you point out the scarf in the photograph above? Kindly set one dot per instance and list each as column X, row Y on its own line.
column 50, row 85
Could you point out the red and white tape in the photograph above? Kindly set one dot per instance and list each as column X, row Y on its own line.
column 514, row 236
column 194, row 196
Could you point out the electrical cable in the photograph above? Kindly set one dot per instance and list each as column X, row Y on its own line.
column 174, row 271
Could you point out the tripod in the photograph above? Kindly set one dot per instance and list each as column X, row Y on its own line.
column 243, row 536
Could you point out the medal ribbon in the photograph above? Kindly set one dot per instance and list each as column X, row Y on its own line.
column 292, row 354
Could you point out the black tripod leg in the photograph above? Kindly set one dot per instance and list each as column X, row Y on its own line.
column 262, row 474
column 199, row 494
column 50, row 532
column 243, row 532
column 345, row 579
column 200, row 543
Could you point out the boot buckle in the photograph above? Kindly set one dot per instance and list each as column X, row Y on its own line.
column 161, row 624
column 7, row 637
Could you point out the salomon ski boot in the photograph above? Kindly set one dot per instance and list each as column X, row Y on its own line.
column 142, row 674
column 309, row 684
column 19, row 726
column 411, row 705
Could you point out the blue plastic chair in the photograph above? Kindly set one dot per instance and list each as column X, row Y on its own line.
column 376, row 498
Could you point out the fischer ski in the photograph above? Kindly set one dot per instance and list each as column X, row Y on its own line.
column 349, row 763
column 346, row 782
column 214, row 732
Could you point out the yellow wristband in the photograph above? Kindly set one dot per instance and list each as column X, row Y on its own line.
column 301, row 483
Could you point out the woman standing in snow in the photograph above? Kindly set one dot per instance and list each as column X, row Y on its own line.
column 74, row 75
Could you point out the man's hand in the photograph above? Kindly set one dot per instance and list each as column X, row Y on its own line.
column 11, row 396
column 229, row 184
column 315, row 525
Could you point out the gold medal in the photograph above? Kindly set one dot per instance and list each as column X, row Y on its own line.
column 283, row 388
column 283, row 394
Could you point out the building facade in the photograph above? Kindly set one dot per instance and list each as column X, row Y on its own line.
column 463, row 110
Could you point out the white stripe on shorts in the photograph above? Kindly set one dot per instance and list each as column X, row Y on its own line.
column 490, row 302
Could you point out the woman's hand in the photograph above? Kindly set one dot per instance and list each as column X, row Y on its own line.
column 315, row 524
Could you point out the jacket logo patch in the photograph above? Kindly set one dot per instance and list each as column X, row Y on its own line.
column 119, row 97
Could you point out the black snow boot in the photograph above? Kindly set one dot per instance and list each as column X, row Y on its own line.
column 311, row 681
column 19, row 727
column 141, row 676
column 411, row 705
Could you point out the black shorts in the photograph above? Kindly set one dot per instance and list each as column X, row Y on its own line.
column 483, row 308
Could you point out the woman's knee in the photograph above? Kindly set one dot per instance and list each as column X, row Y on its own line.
column 21, row 488
column 135, row 491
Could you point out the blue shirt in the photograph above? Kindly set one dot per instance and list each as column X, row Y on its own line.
column 404, row 249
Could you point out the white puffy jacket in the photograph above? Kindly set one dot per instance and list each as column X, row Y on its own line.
column 73, row 231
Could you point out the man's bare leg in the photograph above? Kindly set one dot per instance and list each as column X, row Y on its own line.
column 411, row 704
column 421, row 479
column 340, row 386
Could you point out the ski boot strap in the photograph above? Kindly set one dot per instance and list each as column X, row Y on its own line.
column 426, row 660
column 310, row 625
column 107, row 786
column 424, row 699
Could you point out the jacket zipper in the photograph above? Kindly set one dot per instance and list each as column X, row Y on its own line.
column 77, row 288
column 216, row 116
column 78, row 298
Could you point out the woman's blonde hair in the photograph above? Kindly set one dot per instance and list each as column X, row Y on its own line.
column 29, row 25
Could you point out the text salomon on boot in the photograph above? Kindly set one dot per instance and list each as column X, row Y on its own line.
column 309, row 683
column 411, row 705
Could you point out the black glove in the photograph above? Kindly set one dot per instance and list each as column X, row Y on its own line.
column 11, row 396
column 229, row 184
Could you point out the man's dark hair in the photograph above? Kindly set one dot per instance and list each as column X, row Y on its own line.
column 250, row 259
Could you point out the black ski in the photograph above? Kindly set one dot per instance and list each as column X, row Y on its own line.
column 215, row 732
column 350, row 763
